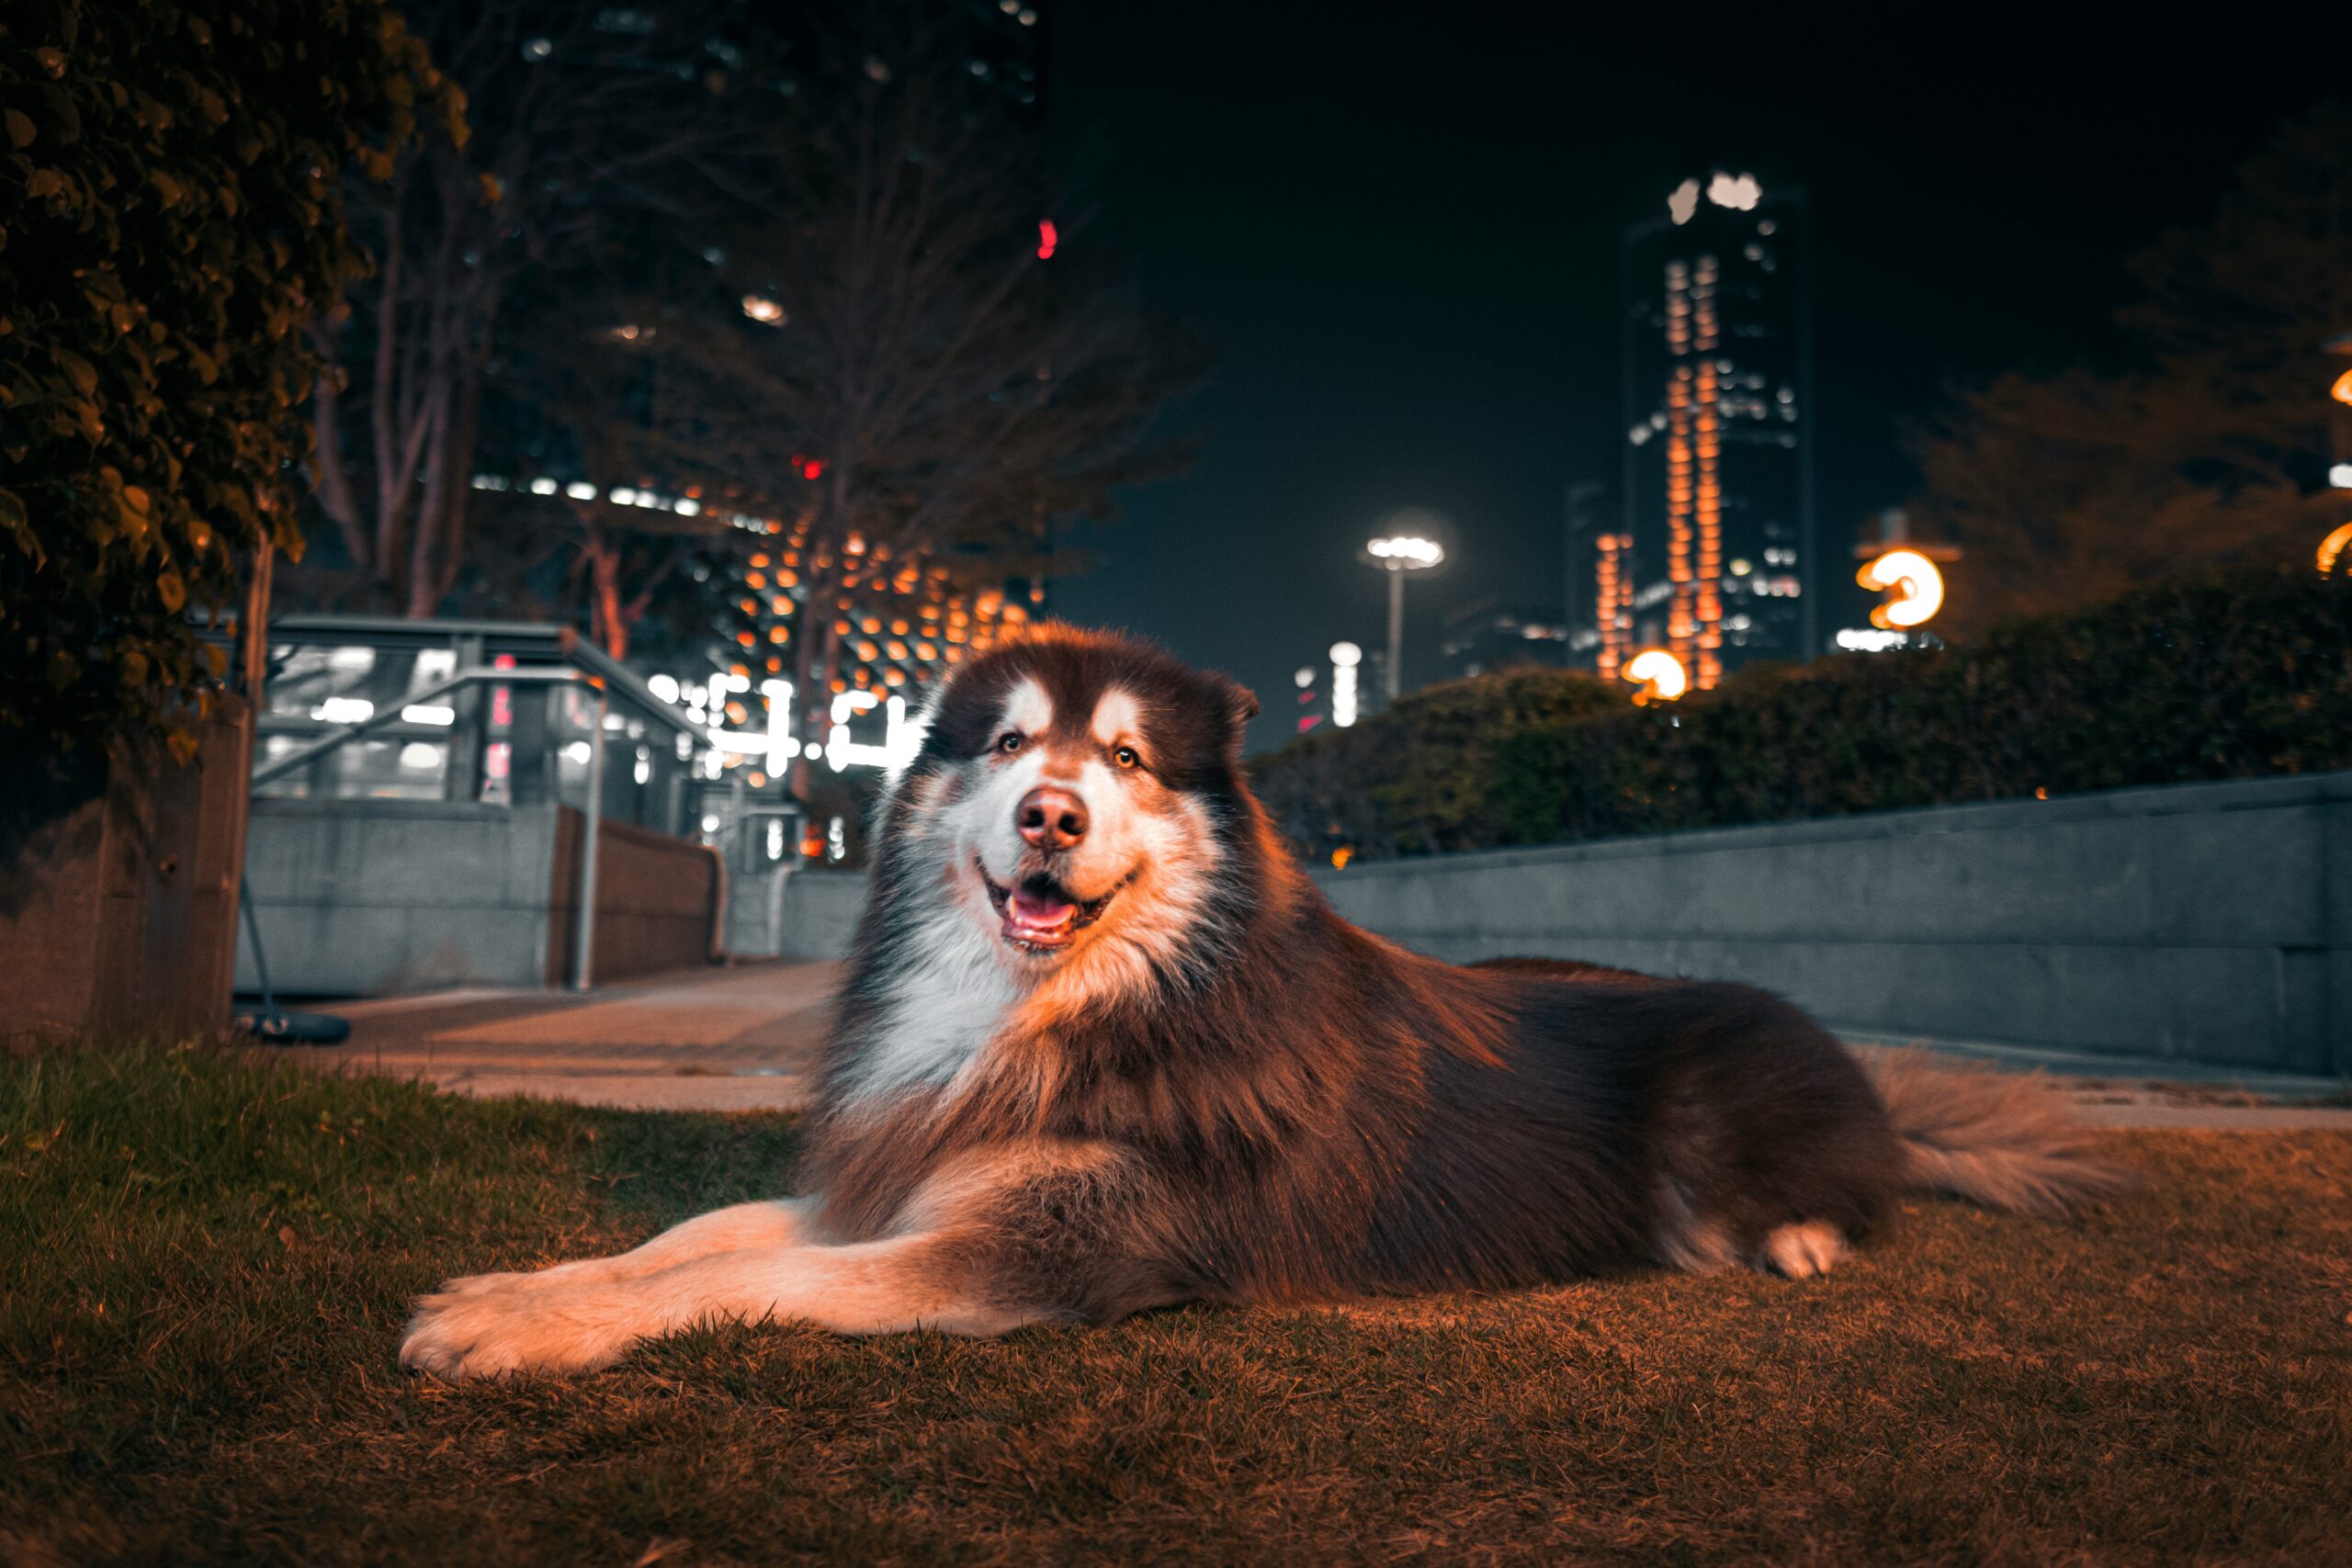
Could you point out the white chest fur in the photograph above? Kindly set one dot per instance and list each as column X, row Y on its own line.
column 939, row 1013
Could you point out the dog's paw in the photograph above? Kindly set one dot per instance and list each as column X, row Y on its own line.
column 1803, row 1251
column 495, row 1329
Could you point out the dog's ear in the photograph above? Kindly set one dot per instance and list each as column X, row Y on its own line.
column 1241, row 704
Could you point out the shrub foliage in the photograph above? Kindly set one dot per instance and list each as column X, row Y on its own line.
column 2232, row 675
column 169, row 224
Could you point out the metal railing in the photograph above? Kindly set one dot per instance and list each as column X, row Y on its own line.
column 600, row 671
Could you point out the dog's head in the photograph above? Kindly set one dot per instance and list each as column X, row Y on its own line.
column 1074, row 786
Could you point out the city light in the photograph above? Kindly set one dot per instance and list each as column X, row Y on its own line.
column 2342, row 390
column 1919, row 588
column 2332, row 548
column 1868, row 640
column 2340, row 475
column 900, row 741
column 1048, row 239
column 781, row 745
column 1407, row 552
column 1738, row 192
column 763, row 310
column 1345, row 657
column 1661, row 675
column 1684, row 202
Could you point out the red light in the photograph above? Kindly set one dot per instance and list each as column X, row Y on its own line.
column 814, row 468
column 1047, row 237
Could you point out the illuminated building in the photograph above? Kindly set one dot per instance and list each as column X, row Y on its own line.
column 1715, row 560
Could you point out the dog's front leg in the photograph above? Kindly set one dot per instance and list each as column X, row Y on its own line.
column 876, row 1287
column 777, row 1223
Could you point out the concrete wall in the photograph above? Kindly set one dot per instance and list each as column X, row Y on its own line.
column 820, row 913
column 359, row 897
column 755, row 911
column 363, row 897
column 2208, row 922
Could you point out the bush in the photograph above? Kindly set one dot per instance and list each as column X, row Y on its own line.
column 2235, row 675
column 1419, row 778
column 168, row 177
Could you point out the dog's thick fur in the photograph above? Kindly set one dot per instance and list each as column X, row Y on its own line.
column 1079, row 1074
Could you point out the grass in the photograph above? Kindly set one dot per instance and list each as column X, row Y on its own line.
column 206, row 1261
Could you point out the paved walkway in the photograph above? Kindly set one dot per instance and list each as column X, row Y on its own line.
column 735, row 1039
column 746, row 1039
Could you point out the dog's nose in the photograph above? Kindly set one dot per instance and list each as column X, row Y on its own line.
column 1051, row 819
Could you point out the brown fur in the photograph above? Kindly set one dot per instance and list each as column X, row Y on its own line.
column 1214, row 1089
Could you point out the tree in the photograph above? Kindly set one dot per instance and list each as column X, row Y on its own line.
column 584, row 119
column 938, row 372
column 628, row 432
column 2072, row 489
column 172, row 222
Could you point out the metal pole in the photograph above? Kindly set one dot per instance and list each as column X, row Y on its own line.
column 584, row 925
column 1395, row 630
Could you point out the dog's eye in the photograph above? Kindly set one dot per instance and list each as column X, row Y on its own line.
column 1009, row 742
column 1125, row 757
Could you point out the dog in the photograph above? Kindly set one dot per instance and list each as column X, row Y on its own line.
column 1101, row 1047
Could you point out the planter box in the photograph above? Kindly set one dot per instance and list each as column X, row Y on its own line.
column 119, row 887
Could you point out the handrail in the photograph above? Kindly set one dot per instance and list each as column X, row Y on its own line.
column 579, row 650
column 335, row 739
column 584, row 925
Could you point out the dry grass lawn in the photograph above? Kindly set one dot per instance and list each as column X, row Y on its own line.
column 204, row 1261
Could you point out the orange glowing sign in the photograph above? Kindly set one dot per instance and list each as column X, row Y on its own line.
column 2333, row 548
column 1919, row 588
column 2342, row 390
column 1661, row 674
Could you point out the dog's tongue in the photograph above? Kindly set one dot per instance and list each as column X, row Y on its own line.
column 1034, row 917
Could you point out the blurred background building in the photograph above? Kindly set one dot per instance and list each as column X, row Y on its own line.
column 1714, row 558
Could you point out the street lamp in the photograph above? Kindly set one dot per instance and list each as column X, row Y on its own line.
column 1410, row 540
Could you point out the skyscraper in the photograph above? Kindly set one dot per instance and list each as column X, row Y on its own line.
column 1716, row 558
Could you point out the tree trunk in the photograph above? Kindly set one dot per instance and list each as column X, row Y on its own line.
column 334, row 485
column 459, row 463
column 610, row 626
column 390, row 478
column 423, row 600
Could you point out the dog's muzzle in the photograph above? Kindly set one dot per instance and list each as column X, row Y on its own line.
column 1040, row 916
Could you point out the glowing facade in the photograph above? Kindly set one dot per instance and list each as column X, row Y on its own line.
column 1715, row 561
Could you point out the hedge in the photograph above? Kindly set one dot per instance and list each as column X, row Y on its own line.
column 169, row 226
column 2238, row 674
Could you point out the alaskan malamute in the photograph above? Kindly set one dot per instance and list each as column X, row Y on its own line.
column 1101, row 1047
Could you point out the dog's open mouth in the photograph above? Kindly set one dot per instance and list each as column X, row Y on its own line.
column 1040, row 915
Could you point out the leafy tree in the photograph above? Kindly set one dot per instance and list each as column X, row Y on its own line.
column 2072, row 489
column 173, row 220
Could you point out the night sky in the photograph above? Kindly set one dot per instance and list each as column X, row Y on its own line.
column 1402, row 226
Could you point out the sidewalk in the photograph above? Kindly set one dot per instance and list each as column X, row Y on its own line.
column 734, row 1039
column 746, row 1039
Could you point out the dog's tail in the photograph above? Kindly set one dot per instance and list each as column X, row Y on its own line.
column 2004, row 1139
